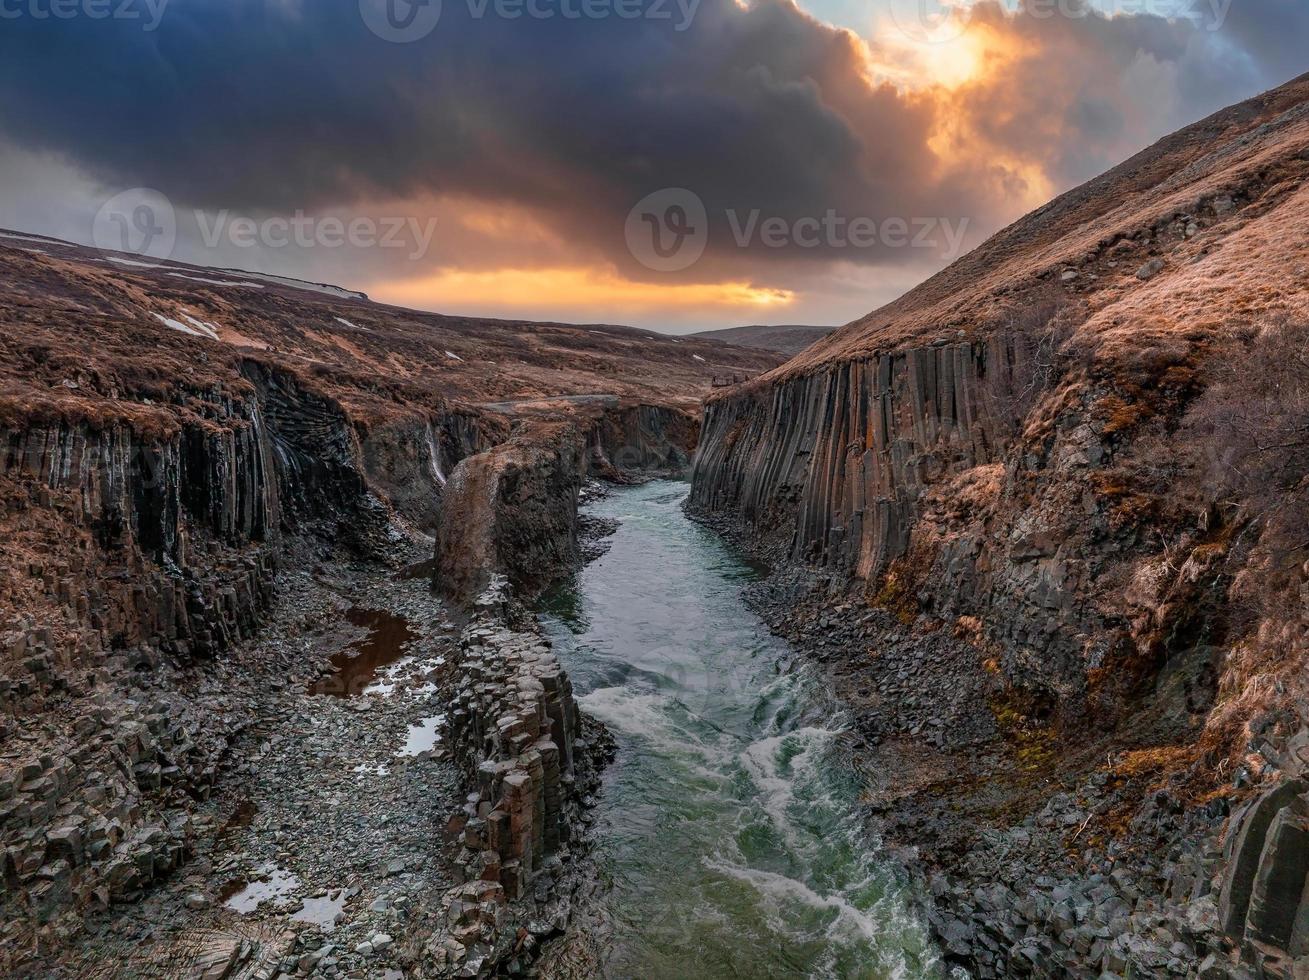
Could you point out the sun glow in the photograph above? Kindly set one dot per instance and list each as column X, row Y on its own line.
column 949, row 62
column 581, row 291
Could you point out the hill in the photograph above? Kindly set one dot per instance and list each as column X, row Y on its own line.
column 1047, row 510
column 789, row 339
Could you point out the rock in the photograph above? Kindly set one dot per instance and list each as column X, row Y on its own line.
column 1150, row 269
column 1244, row 848
column 1278, row 889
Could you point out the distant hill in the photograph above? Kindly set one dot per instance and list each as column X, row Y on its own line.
column 129, row 321
column 789, row 339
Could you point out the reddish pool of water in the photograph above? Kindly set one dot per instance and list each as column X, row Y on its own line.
column 356, row 667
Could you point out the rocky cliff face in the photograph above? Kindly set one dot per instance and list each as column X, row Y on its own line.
column 838, row 460
column 1000, row 474
column 130, row 543
column 527, row 761
column 512, row 510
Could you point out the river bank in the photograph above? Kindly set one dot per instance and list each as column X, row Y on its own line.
column 1033, row 859
column 336, row 841
column 320, row 836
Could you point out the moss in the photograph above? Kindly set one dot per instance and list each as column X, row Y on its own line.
column 894, row 596
column 1033, row 745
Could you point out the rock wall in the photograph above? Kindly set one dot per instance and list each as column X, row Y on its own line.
column 131, row 550
column 831, row 466
column 517, row 735
column 127, row 539
column 1263, row 905
column 512, row 510
column 409, row 460
column 642, row 439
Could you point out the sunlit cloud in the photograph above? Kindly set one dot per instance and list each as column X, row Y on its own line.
column 529, row 172
column 594, row 293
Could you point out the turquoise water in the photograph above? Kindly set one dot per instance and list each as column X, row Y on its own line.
column 728, row 836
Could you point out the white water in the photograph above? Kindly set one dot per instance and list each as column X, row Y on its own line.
column 729, row 834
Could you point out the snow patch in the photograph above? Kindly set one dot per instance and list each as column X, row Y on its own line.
column 453, row 356
column 313, row 287
column 199, row 330
column 211, row 329
column 698, row 358
column 24, row 238
column 217, row 282
column 136, row 265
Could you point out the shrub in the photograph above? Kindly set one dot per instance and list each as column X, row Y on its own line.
column 1253, row 424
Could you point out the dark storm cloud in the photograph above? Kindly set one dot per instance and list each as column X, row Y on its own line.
column 276, row 106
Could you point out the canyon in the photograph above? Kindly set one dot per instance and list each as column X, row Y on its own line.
column 218, row 491
column 281, row 699
column 1003, row 511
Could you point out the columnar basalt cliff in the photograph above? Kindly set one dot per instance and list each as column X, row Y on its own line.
column 133, row 542
column 174, row 450
column 842, row 457
column 521, row 744
column 998, row 486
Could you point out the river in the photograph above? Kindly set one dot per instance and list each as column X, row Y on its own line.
column 728, row 837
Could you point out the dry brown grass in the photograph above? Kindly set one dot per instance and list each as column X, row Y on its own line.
column 1242, row 264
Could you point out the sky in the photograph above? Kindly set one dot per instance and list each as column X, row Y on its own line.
column 673, row 164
